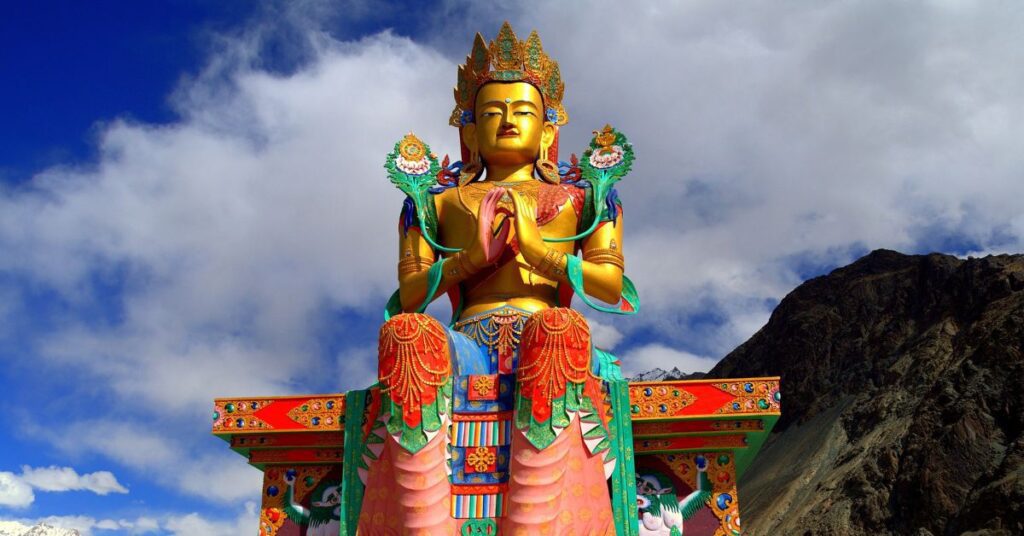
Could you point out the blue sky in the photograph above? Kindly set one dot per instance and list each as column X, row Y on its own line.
column 192, row 204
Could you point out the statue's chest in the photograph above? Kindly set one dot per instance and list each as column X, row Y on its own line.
column 551, row 200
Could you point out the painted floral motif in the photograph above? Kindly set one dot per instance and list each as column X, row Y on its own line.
column 412, row 156
column 658, row 400
column 607, row 157
column 271, row 520
column 413, row 167
column 753, row 396
column 323, row 413
column 483, row 386
column 481, row 459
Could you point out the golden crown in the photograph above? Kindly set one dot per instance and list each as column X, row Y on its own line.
column 507, row 59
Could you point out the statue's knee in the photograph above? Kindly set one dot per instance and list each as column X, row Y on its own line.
column 413, row 342
column 558, row 320
column 405, row 325
column 559, row 333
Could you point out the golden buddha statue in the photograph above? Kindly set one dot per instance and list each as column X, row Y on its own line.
column 499, row 420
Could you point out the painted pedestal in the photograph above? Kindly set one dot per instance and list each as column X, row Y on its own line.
column 680, row 448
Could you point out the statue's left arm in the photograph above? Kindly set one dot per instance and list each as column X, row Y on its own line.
column 602, row 253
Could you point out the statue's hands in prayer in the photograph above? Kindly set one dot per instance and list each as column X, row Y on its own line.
column 489, row 243
column 531, row 244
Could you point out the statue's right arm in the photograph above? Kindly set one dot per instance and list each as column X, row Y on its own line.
column 415, row 256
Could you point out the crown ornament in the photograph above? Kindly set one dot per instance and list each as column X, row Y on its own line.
column 507, row 59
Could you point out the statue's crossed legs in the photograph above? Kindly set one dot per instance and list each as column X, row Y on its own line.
column 537, row 469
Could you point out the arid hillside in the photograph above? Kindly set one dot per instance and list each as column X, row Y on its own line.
column 902, row 400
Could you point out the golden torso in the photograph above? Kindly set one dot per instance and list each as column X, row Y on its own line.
column 511, row 283
column 509, row 135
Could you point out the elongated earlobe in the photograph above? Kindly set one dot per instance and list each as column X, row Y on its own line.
column 547, row 169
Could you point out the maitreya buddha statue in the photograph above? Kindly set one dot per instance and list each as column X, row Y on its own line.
column 499, row 421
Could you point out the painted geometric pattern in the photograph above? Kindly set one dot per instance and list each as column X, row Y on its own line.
column 279, row 414
column 481, row 444
column 653, row 401
column 478, row 506
column 468, row 398
column 480, row 465
column 482, row 434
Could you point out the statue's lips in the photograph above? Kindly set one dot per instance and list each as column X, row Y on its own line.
column 508, row 133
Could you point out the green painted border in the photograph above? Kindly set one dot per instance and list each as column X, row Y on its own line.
column 624, row 475
column 351, row 487
column 754, row 443
column 744, row 455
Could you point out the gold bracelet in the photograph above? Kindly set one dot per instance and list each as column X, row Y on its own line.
column 452, row 267
column 605, row 256
column 412, row 265
column 461, row 267
column 467, row 266
column 609, row 259
column 602, row 251
column 548, row 266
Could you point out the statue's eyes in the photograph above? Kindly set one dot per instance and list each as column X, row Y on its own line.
column 525, row 112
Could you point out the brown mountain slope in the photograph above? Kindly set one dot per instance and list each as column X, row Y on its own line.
column 902, row 400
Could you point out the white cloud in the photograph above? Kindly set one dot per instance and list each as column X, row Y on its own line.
column 231, row 230
column 197, row 525
column 129, row 445
column 767, row 137
column 219, row 475
column 108, row 524
column 770, row 136
column 605, row 336
column 143, row 525
column 14, row 492
column 224, row 477
column 231, row 234
column 55, row 478
column 17, row 490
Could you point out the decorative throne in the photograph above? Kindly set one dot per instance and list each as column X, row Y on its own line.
column 507, row 420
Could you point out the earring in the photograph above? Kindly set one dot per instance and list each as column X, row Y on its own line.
column 472, row 170
column 547, row 169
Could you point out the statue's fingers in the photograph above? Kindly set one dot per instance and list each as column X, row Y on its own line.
column 517, row 202
column 493, row 197
column 489, row 198
column 497, row 242
column 527, row 208
column 499, row 194
column 489, row 205
column 502, row 236
column 485, row 221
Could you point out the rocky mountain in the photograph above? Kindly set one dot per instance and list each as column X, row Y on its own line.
column 660, row 375
column 13, row 528
column 903, row 408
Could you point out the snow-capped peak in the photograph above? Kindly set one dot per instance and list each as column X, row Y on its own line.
column 660, row 375
column 14, row 528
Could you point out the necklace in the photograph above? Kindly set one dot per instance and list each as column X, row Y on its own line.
column 473, row 193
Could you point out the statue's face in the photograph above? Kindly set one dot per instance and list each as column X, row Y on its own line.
column 510, row 127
